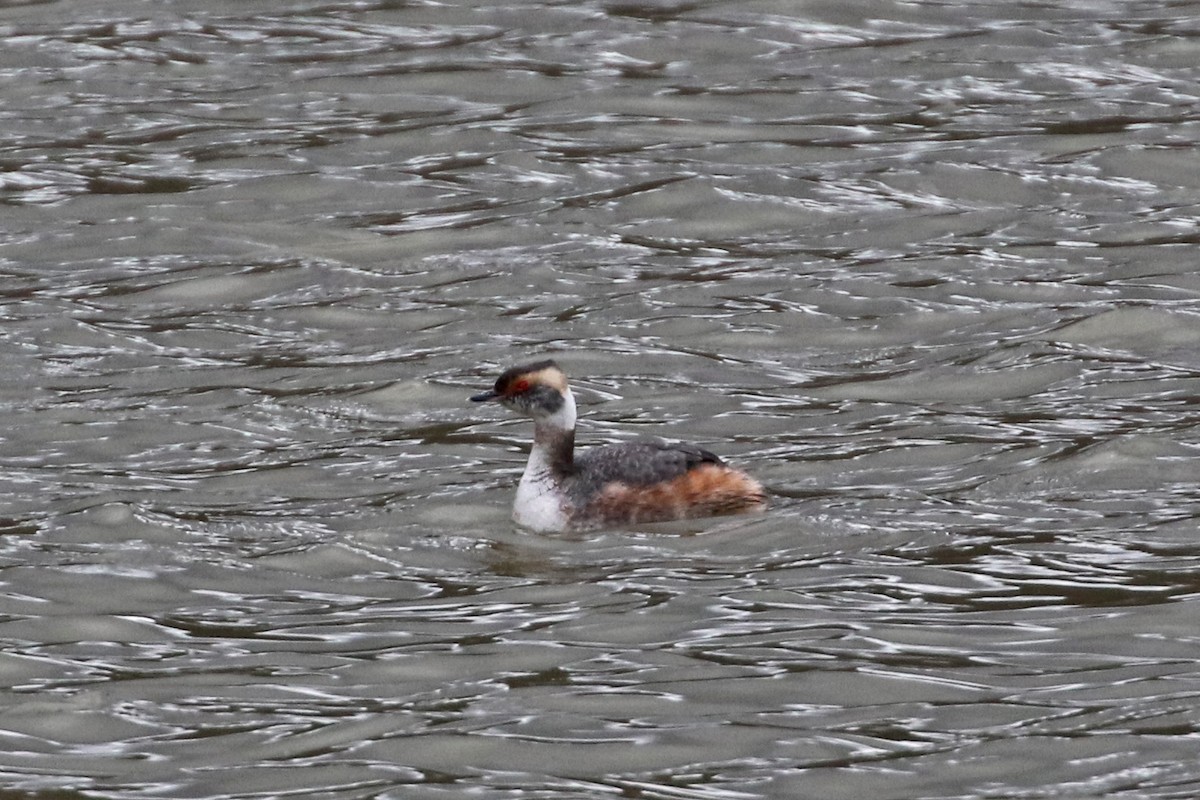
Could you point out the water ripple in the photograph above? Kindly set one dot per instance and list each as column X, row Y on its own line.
column 925, row 270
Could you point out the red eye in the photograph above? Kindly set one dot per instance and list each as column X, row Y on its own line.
column 520, row 386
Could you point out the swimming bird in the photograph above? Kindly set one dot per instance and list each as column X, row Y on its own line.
column 610, row 485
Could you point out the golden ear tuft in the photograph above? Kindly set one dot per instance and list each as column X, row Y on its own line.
column 550, row 376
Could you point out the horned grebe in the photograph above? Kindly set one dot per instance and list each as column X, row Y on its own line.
column 632, row 482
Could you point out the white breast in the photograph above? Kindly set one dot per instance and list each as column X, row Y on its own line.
column 539, row 504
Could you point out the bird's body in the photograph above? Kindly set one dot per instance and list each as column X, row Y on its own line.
column 610, row 485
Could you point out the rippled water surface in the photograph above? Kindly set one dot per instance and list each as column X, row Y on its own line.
column 929, row 270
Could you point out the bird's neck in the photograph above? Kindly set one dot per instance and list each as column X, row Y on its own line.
column 554, row 438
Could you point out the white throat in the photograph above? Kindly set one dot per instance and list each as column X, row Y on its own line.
column 563, row 419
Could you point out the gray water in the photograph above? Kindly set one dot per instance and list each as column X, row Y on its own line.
column 929, row 270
